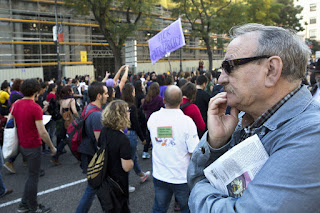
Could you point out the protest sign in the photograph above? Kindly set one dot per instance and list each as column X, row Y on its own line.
column 168, row 40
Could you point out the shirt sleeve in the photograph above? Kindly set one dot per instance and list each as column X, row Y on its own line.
column 96, row 126
column 125, row 149
column 37, row 112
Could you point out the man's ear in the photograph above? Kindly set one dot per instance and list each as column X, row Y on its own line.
column 98, row 96
column 274, row 70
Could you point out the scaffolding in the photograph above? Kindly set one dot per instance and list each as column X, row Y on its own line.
column 27, row 41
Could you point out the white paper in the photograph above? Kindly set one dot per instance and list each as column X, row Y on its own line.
column 232, row 172
column 46, row 119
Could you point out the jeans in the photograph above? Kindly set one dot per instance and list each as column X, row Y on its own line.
column 33, row 157
column 132, row 135
column 86, row 200
column 163, row 194
column 2, row 186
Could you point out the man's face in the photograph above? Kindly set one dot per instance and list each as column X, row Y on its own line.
column 104, row 95
column 244, row 85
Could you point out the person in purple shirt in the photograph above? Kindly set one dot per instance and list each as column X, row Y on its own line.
column 152, row 103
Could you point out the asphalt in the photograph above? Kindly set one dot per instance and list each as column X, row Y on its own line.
column 63, row 186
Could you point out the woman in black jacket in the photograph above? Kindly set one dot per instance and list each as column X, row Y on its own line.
column 128, row 95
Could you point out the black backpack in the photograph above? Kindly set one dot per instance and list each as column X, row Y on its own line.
column 97, row 168
column 54, row 109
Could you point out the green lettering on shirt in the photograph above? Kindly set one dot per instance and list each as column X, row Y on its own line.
column 165, row 132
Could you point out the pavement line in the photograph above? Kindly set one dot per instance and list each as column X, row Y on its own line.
column 45, row 192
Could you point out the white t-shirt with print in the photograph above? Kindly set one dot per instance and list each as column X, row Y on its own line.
column 173, row 135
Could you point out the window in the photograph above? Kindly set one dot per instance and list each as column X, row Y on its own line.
column 313, row 7
column 313, row 20
column 313, row 33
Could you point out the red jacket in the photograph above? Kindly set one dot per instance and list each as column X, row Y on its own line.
column 193, row 112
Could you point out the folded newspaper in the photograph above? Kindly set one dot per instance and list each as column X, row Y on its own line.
column 232, row 172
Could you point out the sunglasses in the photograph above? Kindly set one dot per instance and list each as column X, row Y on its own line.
column 228, row 65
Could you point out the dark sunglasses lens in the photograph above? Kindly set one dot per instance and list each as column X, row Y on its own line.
column 226, row 67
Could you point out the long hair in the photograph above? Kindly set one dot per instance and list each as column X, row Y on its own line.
column 127, row 96
column 115, row 115
column 154, row 90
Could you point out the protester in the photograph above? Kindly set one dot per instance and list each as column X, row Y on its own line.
column 152, row 103
column 114, row 82
column 189, row 92
column 98, row 94
column 202, row 99
column 3, row 189
column 28, row 117
column 67, row 103
column 315, row 91
column 128, row 95
column 262, row 74
column 115, row 118
column 15, row 91
column 174, row 138
column 4, row 98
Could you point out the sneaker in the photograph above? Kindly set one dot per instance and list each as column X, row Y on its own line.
column 145, row 176
column 9, row 166
column 23, row 207
column 40, row 209
column 55, row 162
column 132, row 188
column 8, row 191
column 145, row 155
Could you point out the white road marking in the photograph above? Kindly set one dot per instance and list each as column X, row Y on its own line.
column 46, row 192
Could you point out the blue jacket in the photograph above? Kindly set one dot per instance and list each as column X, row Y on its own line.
column 290, row 179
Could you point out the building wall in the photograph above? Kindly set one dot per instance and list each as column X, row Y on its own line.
column 312, row 18
column 23, row 73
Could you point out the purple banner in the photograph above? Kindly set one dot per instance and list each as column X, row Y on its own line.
column 168, row 40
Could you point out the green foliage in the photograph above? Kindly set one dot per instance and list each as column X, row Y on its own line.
column 117, row 19
column 288, row 15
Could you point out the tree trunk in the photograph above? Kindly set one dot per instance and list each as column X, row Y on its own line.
column 209, row 51
column 117, row 58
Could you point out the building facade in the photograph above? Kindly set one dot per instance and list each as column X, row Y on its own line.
column 311, row 19
column 27, row 45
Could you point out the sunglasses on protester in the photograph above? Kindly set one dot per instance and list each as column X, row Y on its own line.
column 228, row 65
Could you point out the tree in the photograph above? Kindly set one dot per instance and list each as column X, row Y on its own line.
column 288, row 15
column 203, row 16
column 217, row 17
column 117, row 19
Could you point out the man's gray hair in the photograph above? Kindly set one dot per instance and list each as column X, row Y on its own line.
column 277, row 41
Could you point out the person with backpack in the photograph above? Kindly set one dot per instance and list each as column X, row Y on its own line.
column 98, row 94
column 68, row 110
column 115, row 118
column 189, row 94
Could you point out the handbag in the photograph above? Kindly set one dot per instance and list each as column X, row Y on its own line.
column 10, row 139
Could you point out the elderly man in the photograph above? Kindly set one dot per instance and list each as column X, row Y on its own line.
column 261, row 76
column 174, row 138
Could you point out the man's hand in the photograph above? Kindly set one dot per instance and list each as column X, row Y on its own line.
column 144, row 142
column 220, row 125
column 53, row 151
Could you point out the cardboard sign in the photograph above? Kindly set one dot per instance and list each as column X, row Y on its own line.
column 168, row 40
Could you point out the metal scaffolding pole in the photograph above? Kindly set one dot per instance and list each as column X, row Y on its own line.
column 57, row 42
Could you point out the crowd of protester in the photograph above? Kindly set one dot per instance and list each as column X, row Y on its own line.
column 126, row 106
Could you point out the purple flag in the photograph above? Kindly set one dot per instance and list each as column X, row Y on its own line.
column 168, row 40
